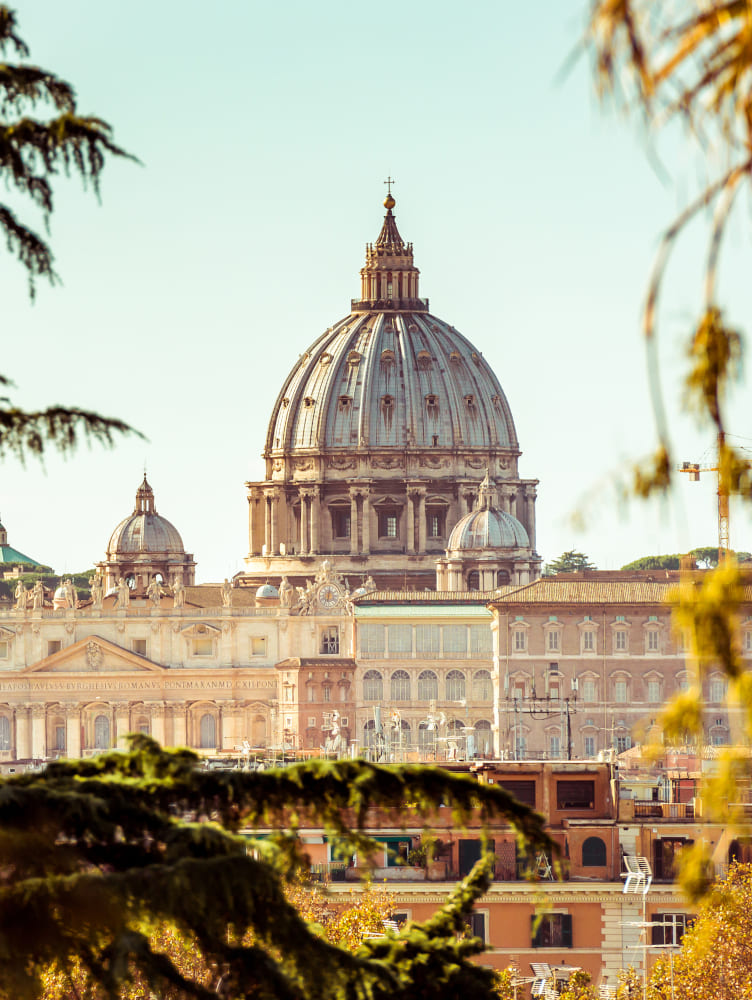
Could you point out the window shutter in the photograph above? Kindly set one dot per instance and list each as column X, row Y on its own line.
column 566, row 930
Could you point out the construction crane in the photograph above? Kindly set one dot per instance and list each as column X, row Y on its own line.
column 693, row 470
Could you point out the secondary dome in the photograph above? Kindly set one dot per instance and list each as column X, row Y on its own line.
column 488, row 529
column 145, row 530
column 144, row 547
column 487, row 548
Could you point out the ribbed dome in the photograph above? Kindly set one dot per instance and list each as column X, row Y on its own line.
column 391, row 375
column 267, row 591
column 488, row 529
column 387, row 378
column 145, row 531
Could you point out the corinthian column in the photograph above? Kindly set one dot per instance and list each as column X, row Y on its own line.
column 315, row 517
column 353, row 522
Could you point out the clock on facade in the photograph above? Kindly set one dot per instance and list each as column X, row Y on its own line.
column 329, row 596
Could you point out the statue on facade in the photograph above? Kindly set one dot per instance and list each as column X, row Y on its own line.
column 37, row 596
column 178, row 592
column 97, row 591
column 370, row 584
column 285, row 593
column 226, row 594
column 123, row 595
column 22, row 597
column 70, row 593
column 154, row 592
column 305, row 598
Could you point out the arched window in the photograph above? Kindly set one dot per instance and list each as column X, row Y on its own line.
column 4, row 732
column 593, row 853
column 482, row 686
column 101, row 733
column 373, row 686
column 208, row 732
column 502, row 578
column 473, row 580
column 369, row 733
column 455, row 685
column 399, row 686
column 483, row 737
column 428, row 685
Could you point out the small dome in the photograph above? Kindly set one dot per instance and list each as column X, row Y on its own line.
column 60, row 594
column 266, row 591
column 488, row 528
column 145, row 531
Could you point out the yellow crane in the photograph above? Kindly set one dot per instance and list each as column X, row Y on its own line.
column 693, row 470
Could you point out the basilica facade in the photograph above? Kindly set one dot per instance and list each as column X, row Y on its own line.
column 391, row 603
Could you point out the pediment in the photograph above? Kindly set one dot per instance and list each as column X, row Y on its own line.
column 94, row 655
column 201, row 631
column 6, row 633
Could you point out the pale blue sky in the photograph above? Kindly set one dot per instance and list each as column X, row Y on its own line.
column 265, row 132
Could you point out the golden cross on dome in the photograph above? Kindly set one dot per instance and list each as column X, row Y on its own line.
column 389, row 181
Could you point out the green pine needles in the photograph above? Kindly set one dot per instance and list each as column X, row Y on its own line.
column 98, row 855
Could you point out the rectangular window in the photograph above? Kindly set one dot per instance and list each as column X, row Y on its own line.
column 53, row 646
column 523, row 791
column 589, row 690
column 372, row 641
column 620, row 640
column 4, row 647
column 654, row 692
column 552, row 930
column 520, row 640
column 258, row 645
column 590, row 746
column 427, row 639
column 481, row 641
column 554, row 746
column 311, row 692
column 311, row 721
column 455, row 641
column 672, row 927
column 327, row 692
column 623, row 743
column 400, row 639
column 653, row 641
column 748, row 641
column 435, row 525
column 575, row 794
column 717, row 689
column 341, row 523
column 139, row 646
column 553, row 640
column 588, row 642
column 388, row 525
column 329, row 640
column 203, row 647
column 476, row 923
column 620, row 692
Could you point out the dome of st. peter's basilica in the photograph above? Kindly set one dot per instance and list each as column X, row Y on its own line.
column 379, row 438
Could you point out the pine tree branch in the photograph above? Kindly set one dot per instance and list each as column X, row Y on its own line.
column 25, row 434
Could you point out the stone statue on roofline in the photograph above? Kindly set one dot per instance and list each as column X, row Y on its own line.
column 178, row 592
column 97, row 591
